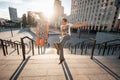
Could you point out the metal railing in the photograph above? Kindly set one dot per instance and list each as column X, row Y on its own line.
column 7, row 43
column 106, row 46
column 4, row 44
column 23, row 46
column 109, row 45
column 91, row 43
column 32, row 48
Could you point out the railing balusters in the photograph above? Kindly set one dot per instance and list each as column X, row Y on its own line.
column 99, row 50
column 32, row 47
column 104, row 49
column 82, row 45
column 75, row 49
column 17, row 49
column 38, row 50
column 23, row 48
column 108, row 50
column 85, row 49
column 94, row 44
column 113, row 51
column 6, row 49
column 3, row 48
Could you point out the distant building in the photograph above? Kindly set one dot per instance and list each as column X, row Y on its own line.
column 13, row 14
column 99, row 14
column 58, row 10
column 2, row 21
column 118, row 25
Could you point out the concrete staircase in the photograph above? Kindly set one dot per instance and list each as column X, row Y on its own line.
column 46, row 67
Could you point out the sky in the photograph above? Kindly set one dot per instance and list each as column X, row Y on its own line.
column 23, row 6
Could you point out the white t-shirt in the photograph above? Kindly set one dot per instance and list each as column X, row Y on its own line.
column 65, row 29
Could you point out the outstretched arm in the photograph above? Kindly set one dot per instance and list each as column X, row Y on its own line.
column 78, row 25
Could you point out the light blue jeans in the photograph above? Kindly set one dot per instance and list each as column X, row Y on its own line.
column 63, row 40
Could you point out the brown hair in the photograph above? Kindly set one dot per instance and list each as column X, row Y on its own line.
column 64, row 19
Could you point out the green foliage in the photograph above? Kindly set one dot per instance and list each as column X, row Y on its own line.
column 24, row 20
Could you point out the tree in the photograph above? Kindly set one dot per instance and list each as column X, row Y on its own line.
column 24, row 20
column 31, row 20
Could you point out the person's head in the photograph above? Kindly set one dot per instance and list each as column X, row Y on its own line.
column 64, row 21
column 40, row 18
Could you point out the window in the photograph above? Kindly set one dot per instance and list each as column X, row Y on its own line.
column 102, row 5
column 106, row 4
column 98, row 1
column 95, row 2
column 111, row 3
column 99, row 14
column 95, row 19
column 99, row 18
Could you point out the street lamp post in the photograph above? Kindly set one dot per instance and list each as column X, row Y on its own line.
column 21, row 24
column 11, row 30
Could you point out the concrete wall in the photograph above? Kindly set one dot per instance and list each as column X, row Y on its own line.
column 102, row 36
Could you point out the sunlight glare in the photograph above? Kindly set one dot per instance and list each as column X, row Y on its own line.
column 46, row 8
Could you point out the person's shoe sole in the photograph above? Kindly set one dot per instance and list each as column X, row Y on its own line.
column 61, row 61
column 56, row 46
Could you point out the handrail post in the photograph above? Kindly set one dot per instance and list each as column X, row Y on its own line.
column 113, row 49
column 41, row 49
column 71, row 49
column 104, row 48
column 17, row 49
column 38, row 50
column 108, row 50
column 23, row 48
column 99, row 50
column 3, row 48
column 85, row 49
column 6, row 49
column 75, row 49
column 32, row 48
column 82, row 45
column 79, row 33
column 93, row 49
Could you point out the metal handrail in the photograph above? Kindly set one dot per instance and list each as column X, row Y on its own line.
column 108, row 44
column 94, row 44
column 23, row 46
column 110, row 41
column 82, row 44
column 6, row 43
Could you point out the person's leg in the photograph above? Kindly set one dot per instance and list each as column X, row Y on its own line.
column 56, row 45
column 63, row 40
column 58, row 51
column 61, row 55
column 61, row 45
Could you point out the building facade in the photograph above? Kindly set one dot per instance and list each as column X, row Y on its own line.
column 99, row 14
column 58, row 9
column 13, row 14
